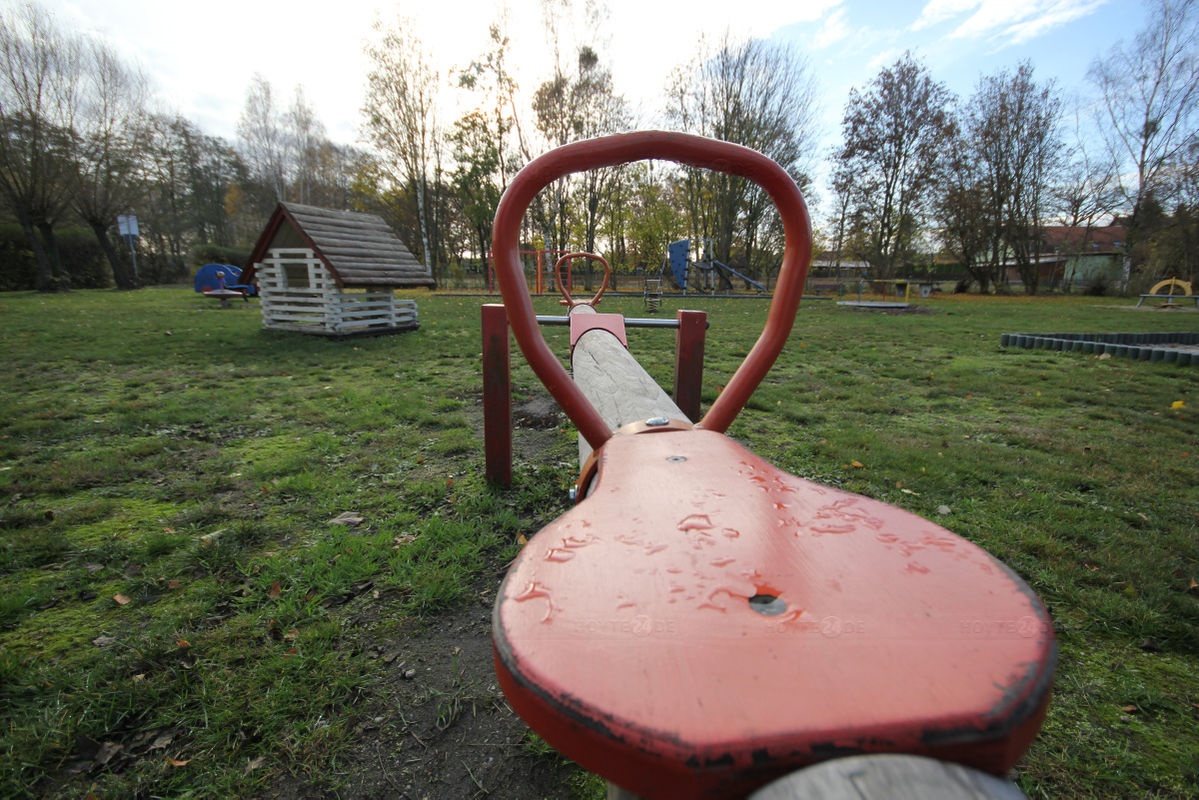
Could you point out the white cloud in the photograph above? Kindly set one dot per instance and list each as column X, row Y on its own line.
column 1012, row 21
column 833, row 30
column 937, row 11
column 1059, row 15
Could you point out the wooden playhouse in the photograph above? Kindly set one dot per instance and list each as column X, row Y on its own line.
column 333, row 273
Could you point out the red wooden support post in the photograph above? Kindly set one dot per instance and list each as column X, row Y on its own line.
column 689, row 361
column 497, row 396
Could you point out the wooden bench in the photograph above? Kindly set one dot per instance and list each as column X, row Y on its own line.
column 1170, row 284
column 1169, row 298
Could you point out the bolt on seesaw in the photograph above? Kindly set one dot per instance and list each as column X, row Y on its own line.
column 702, row 624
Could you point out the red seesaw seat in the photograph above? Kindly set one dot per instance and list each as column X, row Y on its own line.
column 704, row 622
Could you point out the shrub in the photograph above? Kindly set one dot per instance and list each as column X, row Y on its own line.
column 81, row 255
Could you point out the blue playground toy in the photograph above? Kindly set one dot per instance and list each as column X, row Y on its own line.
column 207, row 281
column 680, row 262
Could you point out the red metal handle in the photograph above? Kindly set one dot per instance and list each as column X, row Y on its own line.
column 608, row 151
column 567, row 299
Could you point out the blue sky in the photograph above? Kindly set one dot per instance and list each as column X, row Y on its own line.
column 202, row 56
column 960, row 41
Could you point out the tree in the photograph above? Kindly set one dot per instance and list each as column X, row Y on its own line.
column 1149, row 92
column 968, row 230
column 893, row 134
column 489, row 77
column 481, row 140
column 474, row 178
column 569, row 107
column 654, row 212
column 263, row 139
column 754, row 93
column 305, row 135
column 113, row 133
column 1013, row 128
column 39, row 96
column 401, row 122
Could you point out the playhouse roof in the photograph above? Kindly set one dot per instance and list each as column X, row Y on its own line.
column 357, row 249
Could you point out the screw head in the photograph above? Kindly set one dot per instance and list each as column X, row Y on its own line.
column 657, row 422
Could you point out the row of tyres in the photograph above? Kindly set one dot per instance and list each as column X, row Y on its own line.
column 1171, row 348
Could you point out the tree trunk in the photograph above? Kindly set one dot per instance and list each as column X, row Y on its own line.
column 44, row 281
column 120, row 275
column 424, row 229
column 63, row 281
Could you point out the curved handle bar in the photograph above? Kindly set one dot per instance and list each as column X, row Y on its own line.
column 567, row 299
column 682, row 148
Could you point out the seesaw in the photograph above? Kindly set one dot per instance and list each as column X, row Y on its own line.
column 702, row 623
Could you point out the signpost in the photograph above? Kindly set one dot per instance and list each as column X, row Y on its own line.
column 127, row 225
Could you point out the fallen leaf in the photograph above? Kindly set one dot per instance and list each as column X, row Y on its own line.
column 1177, row 404
column 275, row 591
column 293, row 633
column 1129, row 709
column 856, row 464
column 522, row 539
column 106, row 752
column 943, row 510
column 349, row 518
column 291, row 653
column 255, row 764
column 174, row 762
column 120, row 599
column 168, row 530
column 105, row 641
column 162, row 740
column 183, row 643
column 173, row 584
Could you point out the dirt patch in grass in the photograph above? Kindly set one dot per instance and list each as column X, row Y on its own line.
column 436, row 724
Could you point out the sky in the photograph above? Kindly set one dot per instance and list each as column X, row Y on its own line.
column 201, row 56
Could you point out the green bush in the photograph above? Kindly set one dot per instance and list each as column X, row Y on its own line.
column 81, row 256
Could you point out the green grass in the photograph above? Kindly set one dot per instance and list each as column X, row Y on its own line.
column 156, row 448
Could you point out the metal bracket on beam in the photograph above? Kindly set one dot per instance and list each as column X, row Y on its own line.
column 612, row 323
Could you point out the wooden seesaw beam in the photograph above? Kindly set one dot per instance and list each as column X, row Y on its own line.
column 603, row 364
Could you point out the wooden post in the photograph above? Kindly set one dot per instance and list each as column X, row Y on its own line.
column 689, row 361
column 614, row 383
column 497, row 396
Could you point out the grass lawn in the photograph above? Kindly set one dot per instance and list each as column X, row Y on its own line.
column 181, row 615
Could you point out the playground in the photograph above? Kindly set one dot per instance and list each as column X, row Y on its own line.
column 172, row 474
